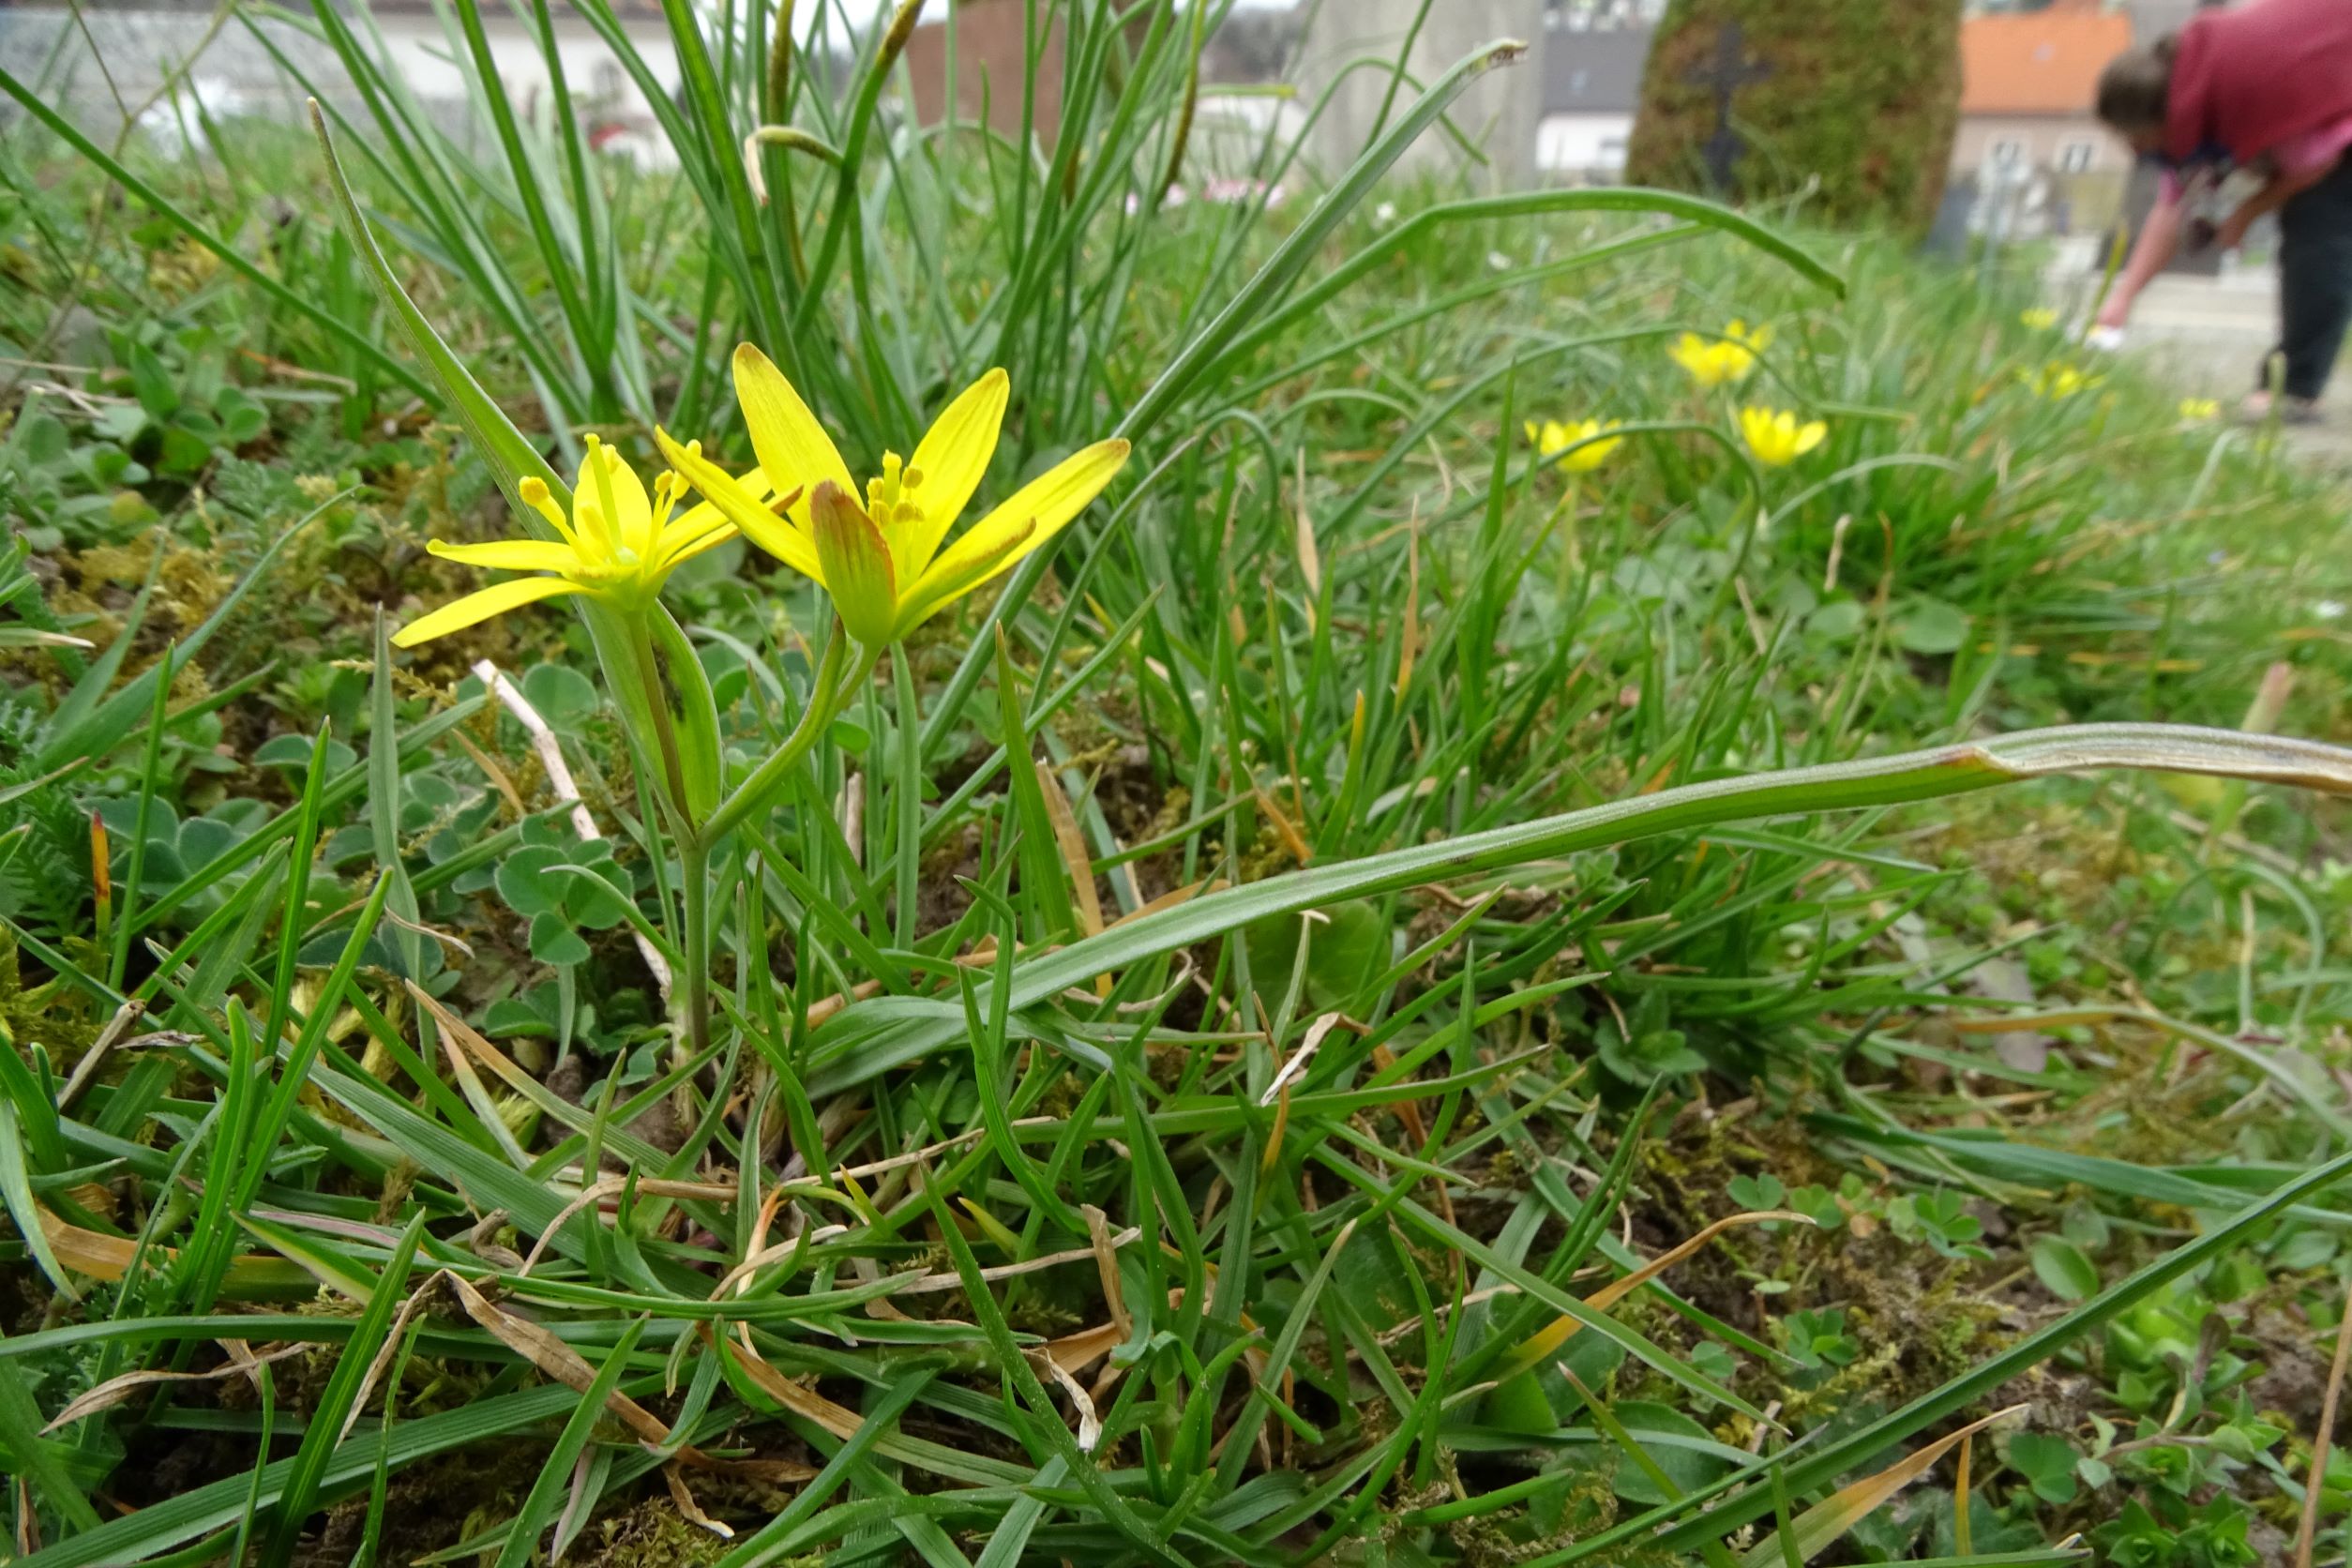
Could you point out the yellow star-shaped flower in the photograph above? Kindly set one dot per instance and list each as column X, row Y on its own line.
column 1775, row 436
column 1553, row 437
column 2059, row 381
column 618, row 544
column 1724, row 361
column 882, row 559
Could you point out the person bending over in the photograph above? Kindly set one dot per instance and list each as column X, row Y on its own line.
column 2266, row 88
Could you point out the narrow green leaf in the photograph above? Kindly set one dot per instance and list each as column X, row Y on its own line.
column 554, row 1481
column 912, row 1028
column 307, row 1471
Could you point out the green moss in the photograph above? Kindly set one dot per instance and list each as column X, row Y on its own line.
column 1862, row 96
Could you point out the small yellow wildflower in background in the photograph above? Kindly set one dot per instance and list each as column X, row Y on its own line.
column 2040, row 318
column 2200, row 410
column 881, row 561
column 1776, row 438
column 1725, row 361
column 1553, row 437
column 2059, row 381
column 619, row 544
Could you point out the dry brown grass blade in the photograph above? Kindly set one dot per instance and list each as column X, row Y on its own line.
column 109, row 1258
column 1294, row 843
column 805, row 1403
column 2307, row 1531
column 1075, row 1352
column 1076, row 862
column 115, row 1390
column 554, row 1358
column 416, row 1302
column 688, row 1508
column 1820, row 1525
column 456, row 1031
column 1089, row 1424
column 1546, row 1340
column 1296, row 1066
column 1107, row 1266
column 1170, row 899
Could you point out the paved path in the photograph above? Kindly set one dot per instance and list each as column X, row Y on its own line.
column 2207, row 337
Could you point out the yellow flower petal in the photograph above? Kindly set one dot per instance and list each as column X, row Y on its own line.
column 963, row 568
column 1585, row 458
column 679, row 555
column 953, row 457
column 793, row 448
column 778, row 535
column 683, row 533
column 612, row 489
column 497, row 599
column 1714, row 363
column 857, row 570
column 1775, row 437
column 1047, row 503
column 509, row 555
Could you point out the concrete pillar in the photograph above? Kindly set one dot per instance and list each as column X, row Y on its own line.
column 1500, row 112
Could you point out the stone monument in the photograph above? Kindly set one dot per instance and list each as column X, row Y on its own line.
column 1499, row 112
column 1746, row 98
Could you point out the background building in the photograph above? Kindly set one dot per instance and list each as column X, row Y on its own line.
column 2028, row 82
column 1591, row 85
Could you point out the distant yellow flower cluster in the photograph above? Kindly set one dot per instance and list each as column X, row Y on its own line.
column 2200, row 410
column 1776, row 437
column 2057, row 381
column 2040, row 318
column 1551, row 438
column 1722, row 361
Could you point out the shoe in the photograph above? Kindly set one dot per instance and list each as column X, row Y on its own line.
column 2261, row 408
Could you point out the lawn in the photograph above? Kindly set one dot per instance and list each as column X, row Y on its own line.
column 1248, row 942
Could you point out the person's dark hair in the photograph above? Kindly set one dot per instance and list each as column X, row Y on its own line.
column 2136, row 85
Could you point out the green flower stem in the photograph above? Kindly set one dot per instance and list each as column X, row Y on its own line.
column 825, row 695
column 665, row 734
column 694, row 865
column 696, row 840
column 1563, row 523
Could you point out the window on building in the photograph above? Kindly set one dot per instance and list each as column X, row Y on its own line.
column 2006, row 151
column 2075, row 158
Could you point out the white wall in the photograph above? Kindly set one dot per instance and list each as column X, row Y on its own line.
column 1497, row 112
column 602, row 92
column 1230, row 128
column 1583, row 144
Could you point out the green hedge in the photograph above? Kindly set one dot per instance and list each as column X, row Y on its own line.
column 1863, row 95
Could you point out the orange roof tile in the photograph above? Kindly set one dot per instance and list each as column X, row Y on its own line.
column 2038, row 62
